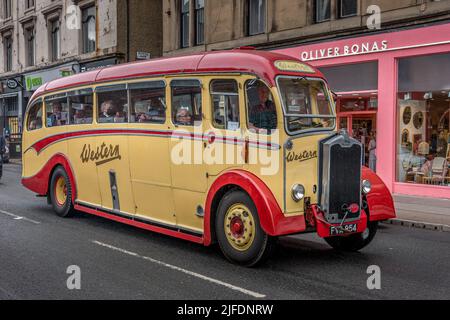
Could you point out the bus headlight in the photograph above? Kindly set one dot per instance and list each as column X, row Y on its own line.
column 298, row 192
column 366, row 186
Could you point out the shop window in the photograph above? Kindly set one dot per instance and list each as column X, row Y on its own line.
column 423, row 148
column 184, row 23
column 112, row 102
column 347, row 8
column 186, row 102
column 225, row 104
column 352, row 77
column 322, row 10
column 57, row 110
column 34, row 120
column 81, row 107
column 89, row 29
column 256, row 16
column 148, row 102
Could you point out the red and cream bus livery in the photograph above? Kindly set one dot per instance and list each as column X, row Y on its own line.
column 116, row 143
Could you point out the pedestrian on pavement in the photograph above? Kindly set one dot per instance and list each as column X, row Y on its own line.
column 372, row 152
column 2, row 152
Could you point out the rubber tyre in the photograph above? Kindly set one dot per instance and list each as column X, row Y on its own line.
column 263, row 244
column 66, row 210
column 354, row 242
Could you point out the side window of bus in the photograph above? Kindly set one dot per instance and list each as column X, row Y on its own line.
column 261, row 111
column 225, row 104
column 112, row 102
column 148, row 102
column 57, row 110
column 81, row 106
column 186, row 102
column 34, row 120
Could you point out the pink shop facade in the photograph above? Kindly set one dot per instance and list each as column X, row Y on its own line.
column 394, row 87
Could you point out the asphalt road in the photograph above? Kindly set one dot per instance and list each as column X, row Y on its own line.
column 122, row 262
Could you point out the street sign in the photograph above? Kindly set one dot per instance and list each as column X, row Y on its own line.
column 143, row 55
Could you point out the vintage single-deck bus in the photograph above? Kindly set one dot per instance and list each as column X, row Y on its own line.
column 140, row 144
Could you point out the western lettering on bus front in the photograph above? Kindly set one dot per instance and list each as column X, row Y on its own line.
column 101, row 155
column 301, row 156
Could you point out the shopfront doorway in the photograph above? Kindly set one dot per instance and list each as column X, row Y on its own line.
column 357, row 112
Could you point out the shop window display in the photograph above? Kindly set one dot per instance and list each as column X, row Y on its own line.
column 423, row 148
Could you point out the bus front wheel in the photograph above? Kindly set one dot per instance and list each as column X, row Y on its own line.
column 61, row 193
column 239, row 232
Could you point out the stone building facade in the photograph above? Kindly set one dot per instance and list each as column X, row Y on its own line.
column 41, row 40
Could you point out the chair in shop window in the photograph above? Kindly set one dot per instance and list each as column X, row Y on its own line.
column 439, row 170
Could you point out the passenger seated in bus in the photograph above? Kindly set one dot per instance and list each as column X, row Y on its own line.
column 263, row 115
column 56, row 118
column 120, row 117
column 108, row 111
column 184, row 117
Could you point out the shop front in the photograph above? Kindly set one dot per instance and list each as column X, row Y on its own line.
column 11, row 106
column 393, row 92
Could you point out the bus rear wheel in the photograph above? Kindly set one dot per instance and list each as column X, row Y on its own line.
column 354, row 242
column 239, row 232
column 61, row 193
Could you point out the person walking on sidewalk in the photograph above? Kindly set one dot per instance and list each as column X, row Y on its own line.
column 2, row 152
column 372, row 152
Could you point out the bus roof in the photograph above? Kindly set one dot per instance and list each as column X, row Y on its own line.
column 261, row 63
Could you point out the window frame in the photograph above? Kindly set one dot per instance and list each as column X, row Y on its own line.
column 30, row 46
column 340, row 6
column 32, row 105
column 142, row 86
column 29, row 4
column 237, row 94
column 115, row 87
column 85, row 21
column 249, row 19
column 55, row 38
column 89, row 91
column 185, row 42
column 316, row 11
column 187, row 80
column 8, row 51
column 247, row 115
column 57, row 96
column 199, row 15
column 7, row 9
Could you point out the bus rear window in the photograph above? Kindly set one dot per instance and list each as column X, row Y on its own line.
column 34, row 120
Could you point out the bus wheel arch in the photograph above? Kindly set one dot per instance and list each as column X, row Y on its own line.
column 240, row 180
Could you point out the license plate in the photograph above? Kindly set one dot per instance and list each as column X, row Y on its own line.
column 334, row 231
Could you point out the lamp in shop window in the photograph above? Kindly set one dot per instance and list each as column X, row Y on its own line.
column 428, row 96
column 407, row 96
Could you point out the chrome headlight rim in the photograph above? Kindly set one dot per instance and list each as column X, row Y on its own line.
column 366, row 186
column 297, row 192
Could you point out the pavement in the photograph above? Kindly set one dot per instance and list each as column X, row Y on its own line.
column 122, row 262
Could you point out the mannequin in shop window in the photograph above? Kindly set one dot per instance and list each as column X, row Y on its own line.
column 372, row 148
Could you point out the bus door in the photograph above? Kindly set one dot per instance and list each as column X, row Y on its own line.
column 149, row 152
column 186, row 146
column 225, row 147
column 111, row 154
column 81, row 114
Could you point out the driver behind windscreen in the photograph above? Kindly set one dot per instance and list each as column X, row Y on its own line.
column 263, row 115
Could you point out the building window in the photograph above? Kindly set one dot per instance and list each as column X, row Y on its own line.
column 55, row 43
column 256, row 12
column 423, row 120
column 184, row 23
column 29, row 4
column 348, row 8
column 322, row 10
column 7, row 9
column 89, row 29
column 30, row 46
column 199, row 22
column 8, row 53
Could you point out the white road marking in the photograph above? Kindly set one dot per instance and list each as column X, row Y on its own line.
column 16, row 217
column 191, row 273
